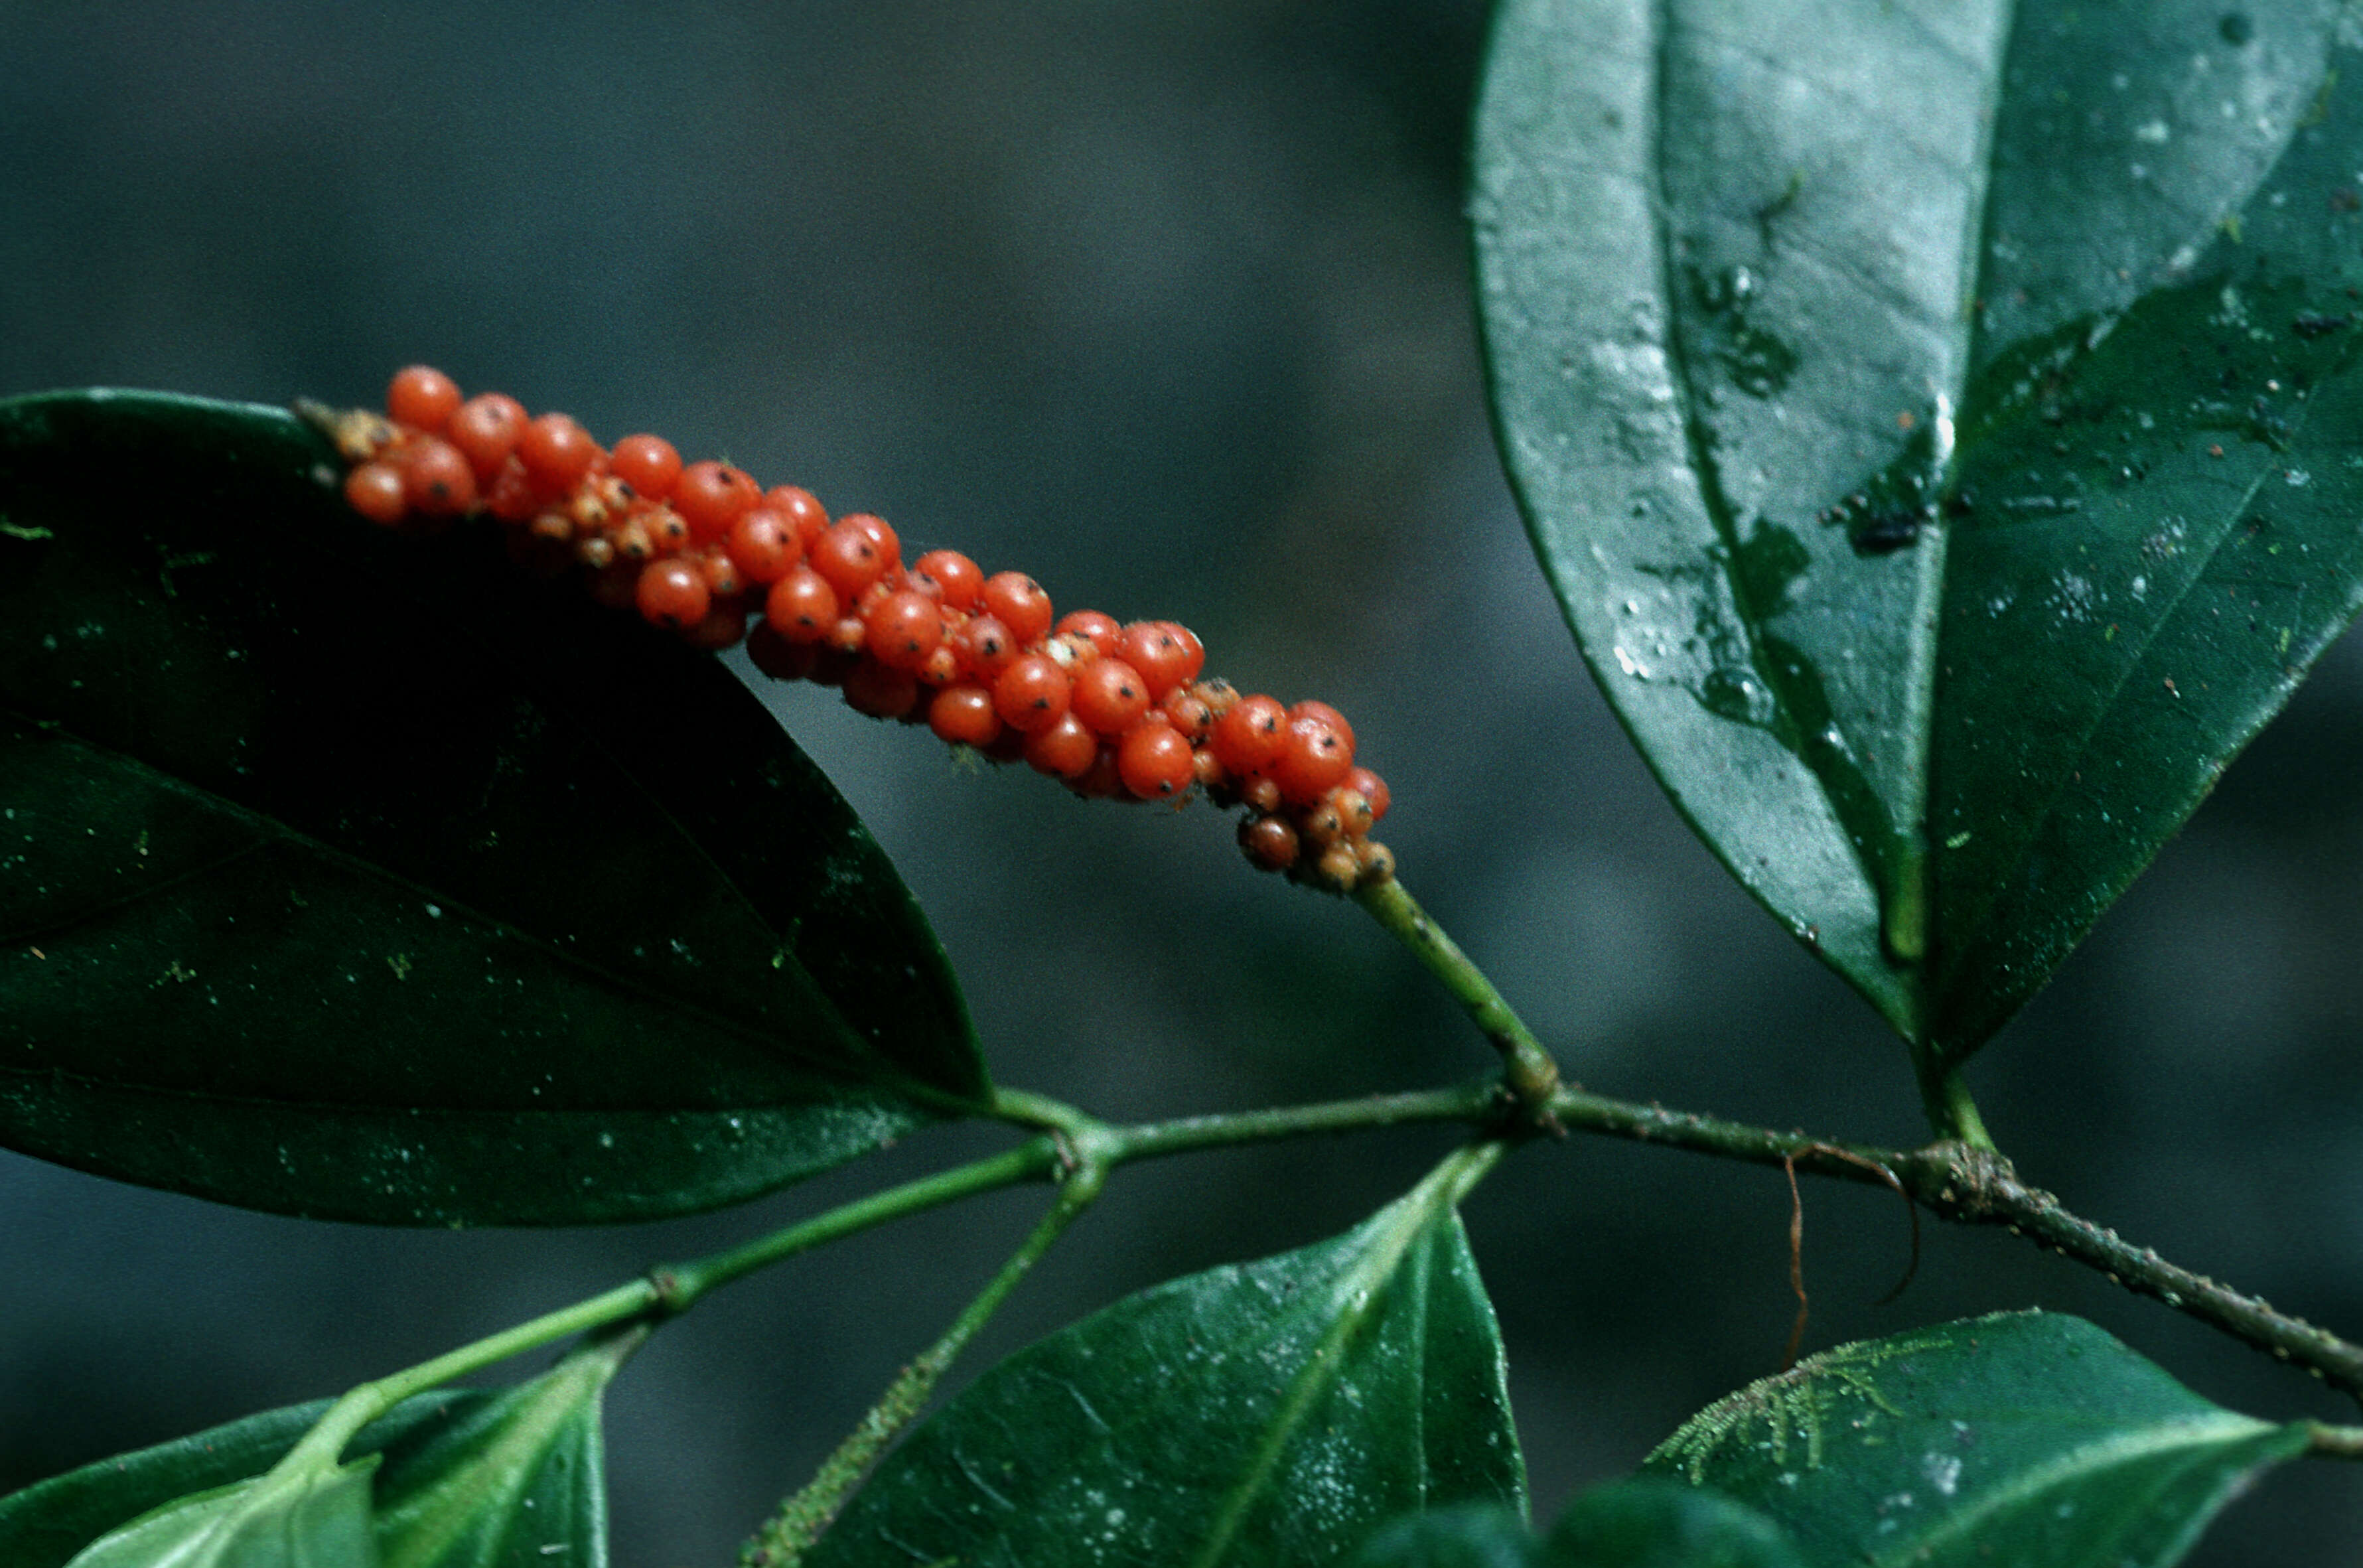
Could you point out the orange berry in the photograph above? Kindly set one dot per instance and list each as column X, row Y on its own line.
column 556, row 452
column 802, row 510
column 436, row 479
column 712, row 496
column 963, row 716
column 880, row 692
column 422, row 398
column 956, row 580
column 1018, row 602
column 1103, row 630
column 1269, row 842
column 485, row 428
column 1109, row 695
column 1031, row 694
column 905, row 627
column 764, row 544
column 801, row 607
column 1155, row 762
column 1065, row 749
column 376, row 491
column 647, row 463
column 673, row 593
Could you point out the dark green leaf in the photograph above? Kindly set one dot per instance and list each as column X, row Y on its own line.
column 1272, row 1413
column 2027, row 1438
column 1936, row 429
column 1471, row 1535
column 355, row 875
column 1649, row 1523
column 1646, row 1523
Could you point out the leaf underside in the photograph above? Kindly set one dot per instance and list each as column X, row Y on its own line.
column 2025, row 1438
column 1271, row 1413
column 357, row 877
column 1937, row 426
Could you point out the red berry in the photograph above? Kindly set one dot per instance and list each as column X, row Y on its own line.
column 422, row 398
column 1065, row 749
column 647, row 463
column 1269, row 842
column 1249, row 737
column 1155, row 648
column 764, row 544
column 776, row 656
column 557, row 452
column 712, row 496
column 1155, row 762
column 723, row 578
column 435, row 480
column 510, row 496
column 1018, row 602
column 1259, row 791
column 1338, row 868
column 963, row 716
column 849, row 556
column 725, row 624
column 1371, row 787
column 673, row 593
column 940, row 668
column 376, row 491
column 1323, row 711
column 667, row 529
column 485, row 428
column 890, row 545
column 1188, row 711
column 616, row 585
column 1031, row 694
column 984, row 645
column 905, row 627
column 1314, row 759
column 1103, row 630
column 1109, row 695
column 1102, row 779
column 801, row 607
column 800, row 508
column 881, row 692
column 849, row 635
column 958, row 580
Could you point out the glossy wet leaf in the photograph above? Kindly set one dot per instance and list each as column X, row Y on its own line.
column 1645, row 1523
column 353, row 875
column 2028, row 1438
column 1275, row 1412
column 1935, row 420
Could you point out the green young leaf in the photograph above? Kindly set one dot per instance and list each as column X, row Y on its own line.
column 507, row 1480
column 1646, row 1523
column 316, row 1518
column 1270, row 1413
column 515, row 1481
column 1936, row 430
column 2024, row 1438
column 46, row 1524
column 353, row 875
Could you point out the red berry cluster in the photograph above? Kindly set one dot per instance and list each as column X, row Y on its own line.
column 1114, row 710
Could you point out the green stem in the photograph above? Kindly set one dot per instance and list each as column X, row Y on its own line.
column 684, row 1284
column 1527, row 1068
column 365, row 1404
column 782, row 1540
column 1945, row 1096
column 665, row 1292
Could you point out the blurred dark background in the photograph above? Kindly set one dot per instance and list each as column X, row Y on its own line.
column 1166, row 304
